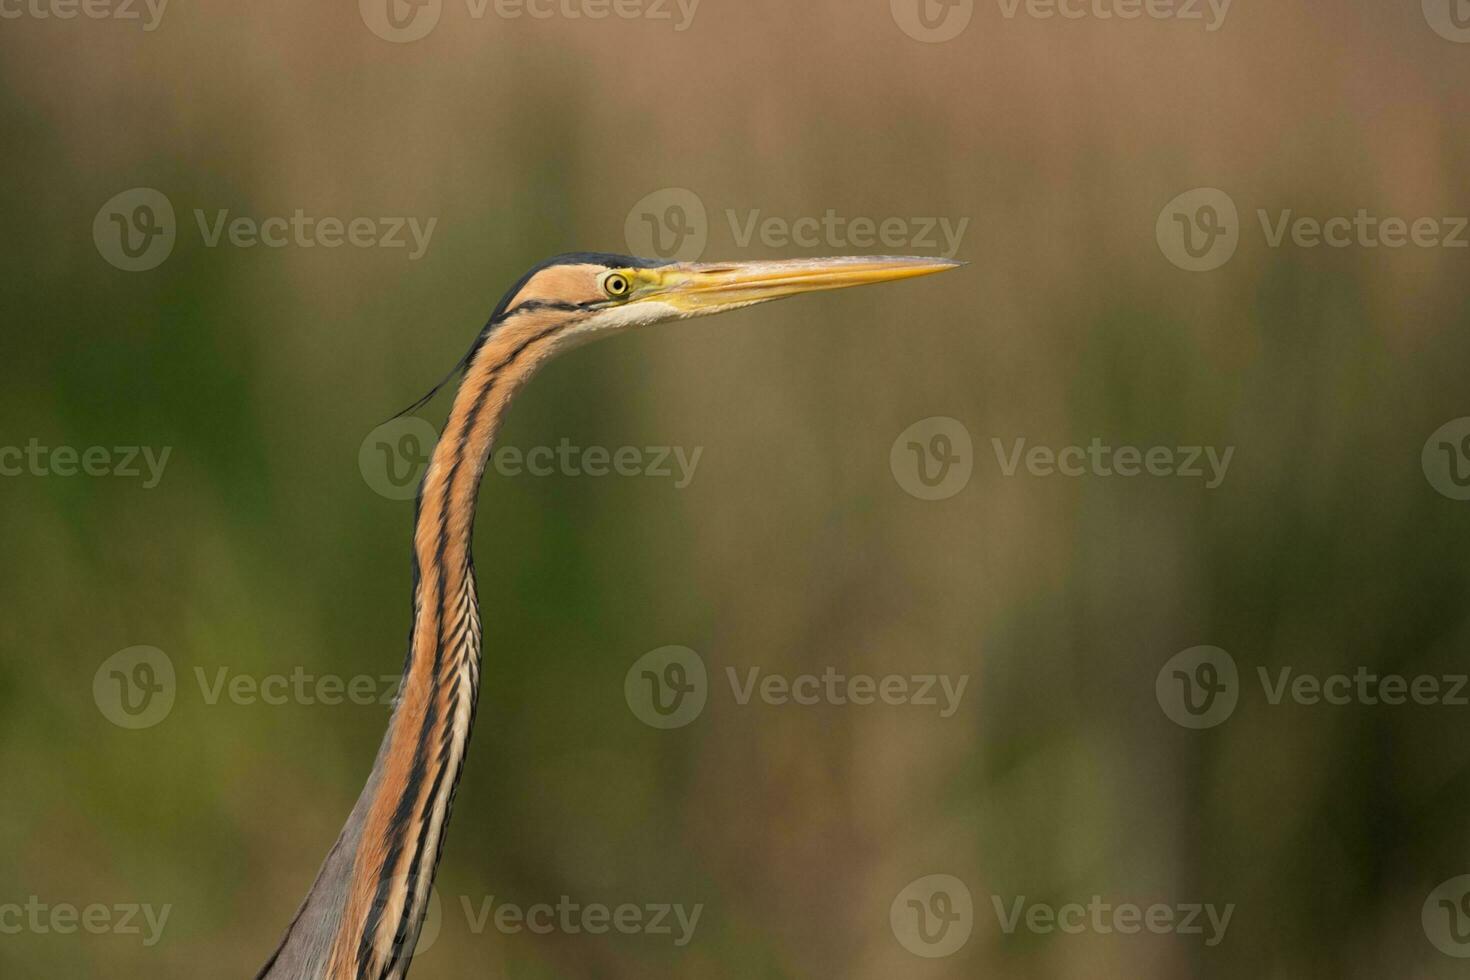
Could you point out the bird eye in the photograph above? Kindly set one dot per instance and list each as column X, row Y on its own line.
column 617, row 285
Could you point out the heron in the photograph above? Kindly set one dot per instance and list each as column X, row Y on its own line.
column 362, row 916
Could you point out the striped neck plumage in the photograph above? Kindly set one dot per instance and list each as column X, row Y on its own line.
column 404, row 827
column 362, row 917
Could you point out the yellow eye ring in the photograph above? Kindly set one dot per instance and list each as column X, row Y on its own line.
column 616, row 285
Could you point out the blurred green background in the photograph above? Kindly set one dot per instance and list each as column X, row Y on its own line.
column 263, row 550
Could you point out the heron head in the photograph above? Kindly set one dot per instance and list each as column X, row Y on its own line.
column 606, row 293
column 579, row 297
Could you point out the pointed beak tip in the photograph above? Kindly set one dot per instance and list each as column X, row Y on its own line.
column 922, row 263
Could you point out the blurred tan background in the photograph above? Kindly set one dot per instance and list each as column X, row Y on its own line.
column 795, row 548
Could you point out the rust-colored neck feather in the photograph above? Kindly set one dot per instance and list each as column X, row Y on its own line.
column 404, row 830
column 362, row 917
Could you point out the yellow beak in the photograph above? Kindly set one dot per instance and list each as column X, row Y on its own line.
column 696, row 288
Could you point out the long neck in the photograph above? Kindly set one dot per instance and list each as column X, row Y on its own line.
column 362, row 917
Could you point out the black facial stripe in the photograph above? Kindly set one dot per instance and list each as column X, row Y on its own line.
column 531, row 305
